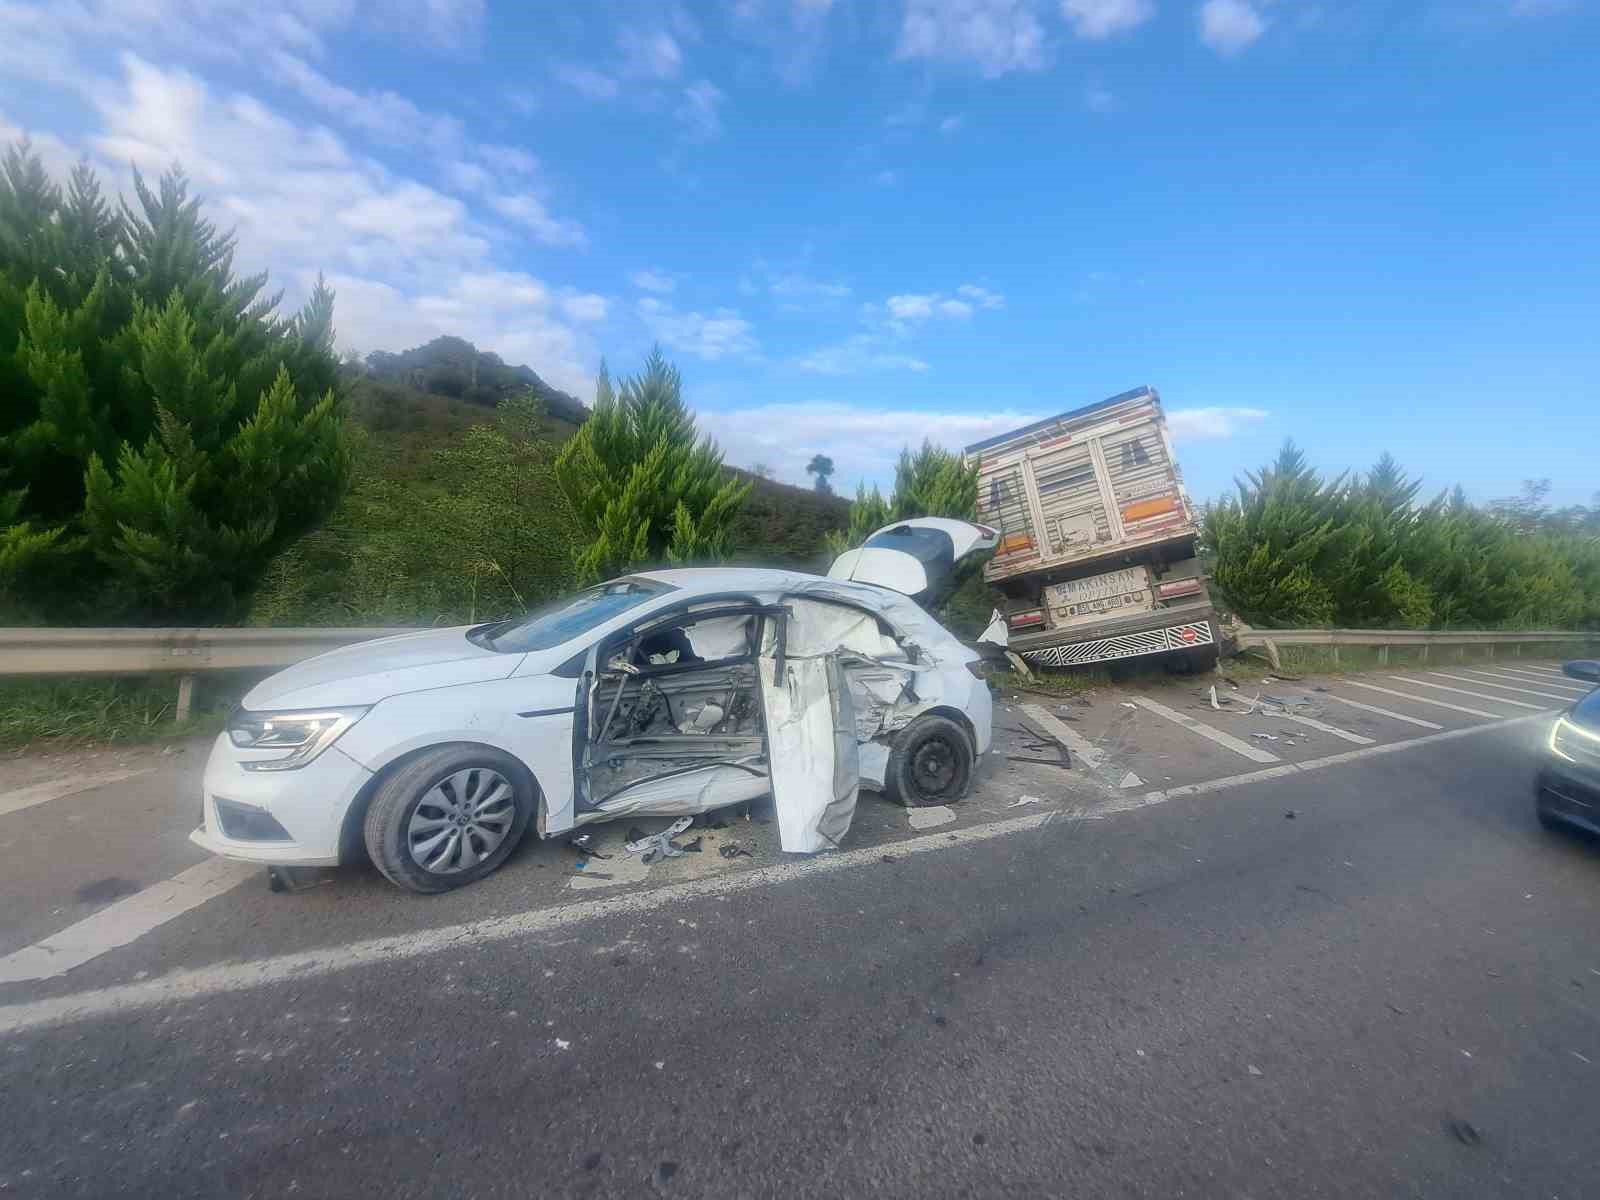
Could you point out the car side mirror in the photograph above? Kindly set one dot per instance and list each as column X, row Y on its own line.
column 1586, row 669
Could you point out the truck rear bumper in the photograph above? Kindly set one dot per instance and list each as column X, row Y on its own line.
column 1150, row 633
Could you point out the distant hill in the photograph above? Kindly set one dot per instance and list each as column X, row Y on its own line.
column 454, row 368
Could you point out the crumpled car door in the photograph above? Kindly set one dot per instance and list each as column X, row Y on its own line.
column 813, row 754
column 918, row 557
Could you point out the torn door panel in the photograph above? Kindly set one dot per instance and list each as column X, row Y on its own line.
column 812, row 747
column 688, row 791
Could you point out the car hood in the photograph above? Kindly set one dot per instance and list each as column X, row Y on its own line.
column 370, row 671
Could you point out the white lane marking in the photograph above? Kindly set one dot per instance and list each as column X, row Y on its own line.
column 1571, row 688
column 1226, row 740
column 40, row 793
column 930, row 818
column 1463, row 692
column 1384, row 712
column 1558, row 680
column 1474, row 712
column 125, row 921
column 1071, row 738
column 226, row 978
column 1356, row 738
column 1538, row 670
column 1504, row 687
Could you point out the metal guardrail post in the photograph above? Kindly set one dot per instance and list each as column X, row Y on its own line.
column 1383, row 655
column 185, row 699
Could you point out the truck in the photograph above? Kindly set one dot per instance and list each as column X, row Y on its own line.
column 1096, row 553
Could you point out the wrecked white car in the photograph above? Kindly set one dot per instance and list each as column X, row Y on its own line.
column 662, row 693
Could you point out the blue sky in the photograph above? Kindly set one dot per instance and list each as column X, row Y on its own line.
column 855, row 223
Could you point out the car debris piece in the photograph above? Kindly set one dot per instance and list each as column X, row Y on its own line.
column 592, row 874
column 695, row 846
column 654, row 847
column 1021, row 800
column 734, row 850
column 583, row 843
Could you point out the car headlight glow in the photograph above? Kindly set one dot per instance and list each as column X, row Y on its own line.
column 303, row 734
column 1567, row 741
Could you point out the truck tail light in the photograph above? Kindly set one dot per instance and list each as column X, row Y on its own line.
column 1150, row 508
column 1024, row 620
column 1179, row 587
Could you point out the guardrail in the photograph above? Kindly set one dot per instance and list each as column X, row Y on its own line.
column 187, row 652
column 183, row 652
column 1270, row 639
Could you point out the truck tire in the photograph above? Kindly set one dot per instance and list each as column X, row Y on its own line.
column 1193, row 662
column 930, row 763
column 449, row 816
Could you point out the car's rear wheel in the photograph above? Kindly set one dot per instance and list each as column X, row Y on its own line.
column 930, row 763
column 449, row 817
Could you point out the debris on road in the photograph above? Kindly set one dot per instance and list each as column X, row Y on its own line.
column 1021, row 800
column 1290, row 815
column 1214, row 703
column 653, row 848
column 695, row 846
column 734, row 850
column 931, row 817
column 583, row 843
column 1130, row 780
column 1464, row 1132
column 1253, row 1069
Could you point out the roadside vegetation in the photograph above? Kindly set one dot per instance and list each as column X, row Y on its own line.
column 1293, row 549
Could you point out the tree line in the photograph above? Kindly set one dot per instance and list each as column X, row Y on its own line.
column 1292, row 548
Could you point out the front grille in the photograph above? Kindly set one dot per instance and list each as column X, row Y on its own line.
column 1129, row 645
column 246, row 823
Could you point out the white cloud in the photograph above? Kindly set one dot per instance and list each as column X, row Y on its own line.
column 952, row 124
column 385, row 116
column 722, row 333
column 863, row 441
column 408, row 262
column 857, row 355
column 1228, row 26
column 1098, row 99
column 649, row 55
column 1211, row 424
column 996, row 36
column 790, row 32
column 586, row 81
column 653, row 281
column 798, row 292
column 700, row 111
column 1541, row 8
column 509, row 159
column 1097, row 19
column 981, row 296
column 529, row 211
column 886, row 178
column 584, row 306
column 910, row 308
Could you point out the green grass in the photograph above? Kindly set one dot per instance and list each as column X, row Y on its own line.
column 69, row 712
column 1345, row 660
column 1053, row 683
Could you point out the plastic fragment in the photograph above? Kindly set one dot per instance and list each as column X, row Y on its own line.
column 1021, row 800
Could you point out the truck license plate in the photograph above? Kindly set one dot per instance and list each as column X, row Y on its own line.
column 1085, row 599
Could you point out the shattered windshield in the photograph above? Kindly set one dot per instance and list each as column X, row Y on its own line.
column 567, row 619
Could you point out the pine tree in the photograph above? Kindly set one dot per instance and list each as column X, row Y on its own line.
column 165, row 431
column 645, row 486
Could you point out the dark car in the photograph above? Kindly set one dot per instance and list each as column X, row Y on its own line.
column 1567, row 794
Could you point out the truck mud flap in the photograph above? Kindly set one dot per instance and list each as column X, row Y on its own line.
column 1128, row 645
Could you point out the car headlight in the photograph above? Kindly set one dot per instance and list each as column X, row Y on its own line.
column 303, row 734
column 1573, row 742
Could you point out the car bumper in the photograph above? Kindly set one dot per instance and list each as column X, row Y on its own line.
column 308, row 805
column 1570, row 797
column 1161, row 632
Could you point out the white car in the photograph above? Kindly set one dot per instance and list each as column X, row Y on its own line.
column 662, row 693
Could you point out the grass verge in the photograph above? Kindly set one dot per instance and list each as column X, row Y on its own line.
column 43, row 713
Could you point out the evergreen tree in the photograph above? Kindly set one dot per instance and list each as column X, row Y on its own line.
column 644, row 485
column 165, row 431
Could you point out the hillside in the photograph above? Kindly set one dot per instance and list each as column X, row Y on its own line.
column 451, row 518
column 455, row 369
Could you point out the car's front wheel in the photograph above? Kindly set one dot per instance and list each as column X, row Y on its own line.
column 449, row 816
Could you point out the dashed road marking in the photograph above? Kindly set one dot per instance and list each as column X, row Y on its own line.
column 1504, row 687
column 1225, row 740
column 1542, row 680
column 1326, row 728
column 125, row 921
column 41, row 793
column 1384, row 712
column 226, row 978
column 1471, row 712
column 1541, row 670
column 1463, row 692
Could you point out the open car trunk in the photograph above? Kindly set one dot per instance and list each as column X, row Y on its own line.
column 918, row 557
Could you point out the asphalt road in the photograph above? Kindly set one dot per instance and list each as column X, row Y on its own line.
column 1395, row 991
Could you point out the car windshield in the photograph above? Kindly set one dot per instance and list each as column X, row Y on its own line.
column 567, row 619
column 928, row 546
